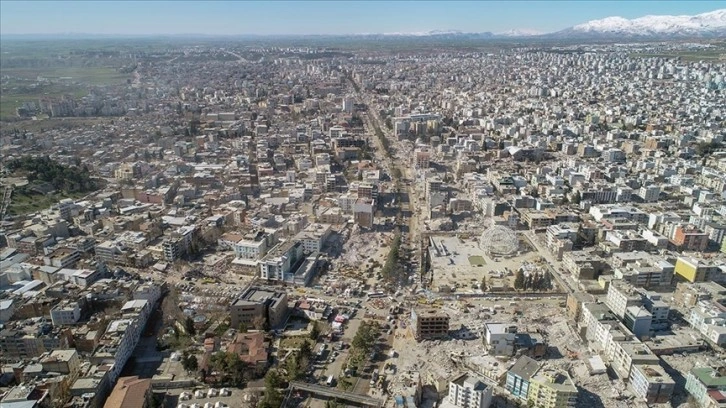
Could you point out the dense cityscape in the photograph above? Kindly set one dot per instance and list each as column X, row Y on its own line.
column 395, row 223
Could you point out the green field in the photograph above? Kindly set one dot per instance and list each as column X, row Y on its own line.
column 23, row 86
column 21, row 203
column 477, row 260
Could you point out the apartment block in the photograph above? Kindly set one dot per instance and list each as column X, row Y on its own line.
column 551, row 388
column 707, row 385
column 651, row 383
column 466, row 391
column 429, row 324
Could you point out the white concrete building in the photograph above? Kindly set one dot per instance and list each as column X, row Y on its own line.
column 499, row 338
column 467, row 391
column 65, row 313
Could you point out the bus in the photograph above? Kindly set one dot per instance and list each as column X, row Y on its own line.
column 376, row 295
column 329, row 383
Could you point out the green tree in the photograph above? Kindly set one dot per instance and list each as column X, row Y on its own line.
column 315, row 331
column 189, row 326
column 546, row 281
column 305, row 349
column 273, row 379
column 190, row 363
column 242, row 328
column 483, row 284
column 519, row 280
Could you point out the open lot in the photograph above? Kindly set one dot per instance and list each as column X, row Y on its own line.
column 29, row 203
column 464, row 264
column 30, row 84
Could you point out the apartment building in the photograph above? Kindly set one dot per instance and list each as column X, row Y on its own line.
column 551, row 388
column 621, row 295
column 466, row 391
column 314, row 237
column 429, row 324
column 499, row 338
column 519, row 376
column 363, row 212
column 708, row 317
column 707, row 385
column 130, row 392
column 695, row 270
column 689, row 294
column 62, row 361
column 65, row 313
column 651, row 383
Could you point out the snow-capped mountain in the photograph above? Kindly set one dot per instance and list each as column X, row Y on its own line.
column 709, row 24
column 519, row 32
column 706, row 25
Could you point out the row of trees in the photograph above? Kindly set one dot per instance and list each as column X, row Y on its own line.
column 45, row 169
column 532, row 281
column 391, row 266
column 362, row 344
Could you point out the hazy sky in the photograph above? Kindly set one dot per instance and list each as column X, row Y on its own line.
column 318, row 17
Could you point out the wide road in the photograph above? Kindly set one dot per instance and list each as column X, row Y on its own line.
column 403, row 165
column 551, row 262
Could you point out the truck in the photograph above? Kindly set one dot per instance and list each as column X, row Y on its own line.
column 330, row 381
column 374, row 376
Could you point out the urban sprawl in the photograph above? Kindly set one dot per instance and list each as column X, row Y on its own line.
column 279, row 226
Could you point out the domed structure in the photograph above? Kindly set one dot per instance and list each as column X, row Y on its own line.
column 498, row 240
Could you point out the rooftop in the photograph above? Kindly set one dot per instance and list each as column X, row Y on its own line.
column 525, row 367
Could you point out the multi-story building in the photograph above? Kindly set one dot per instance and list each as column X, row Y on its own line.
column 467, row 391
column 257, row 307
column 499, row 338
column 280, row 263
column 363, row 212
column 121, row 336
column 551, row 388
column 695, row 270
column 621, row 295
column 314, row 237
column 429, row 324
column 114, row 253
column 26, row 339
column 638, row 320
column 651, row 383
column 65, row 313
column 708, row 317
column 689, row 294
column 649, row 194
column 178, row 243
column 62, row 361
column 254, row 245
column 707, row 385
column 422, row 157
column 519, row 376
column 690, row 238
column 130, row 392
column 62, row 257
